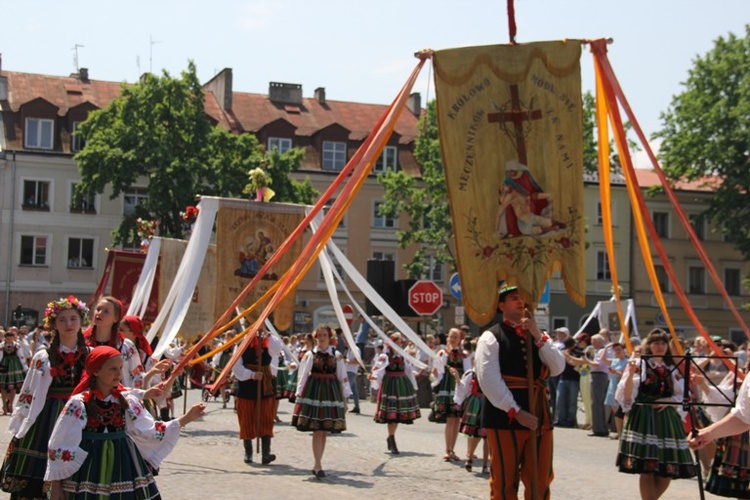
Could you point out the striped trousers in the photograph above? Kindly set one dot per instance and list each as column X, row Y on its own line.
column 510, row 455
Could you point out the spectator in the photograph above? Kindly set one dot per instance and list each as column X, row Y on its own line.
column 599, row 383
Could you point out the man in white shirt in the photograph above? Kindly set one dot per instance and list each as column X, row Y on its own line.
column 507, row 413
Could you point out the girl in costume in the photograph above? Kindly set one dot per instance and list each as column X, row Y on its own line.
column 396, row 386
column 13, row 368
column 53, row 374
column 653, row 442
column 105, row 330
column 322, row 390
column 449, row 367
column 469, row 396
column 616, row 368
column 281, row 380
column 105, row 443
column 291, row 386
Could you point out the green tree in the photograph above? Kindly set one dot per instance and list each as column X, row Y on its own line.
column 157, row 132
column 424, row 200
column 705, row 134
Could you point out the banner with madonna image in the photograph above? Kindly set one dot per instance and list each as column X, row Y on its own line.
column 511, row 131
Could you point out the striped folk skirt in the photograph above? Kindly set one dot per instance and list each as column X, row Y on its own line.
column 321, row 405
column 26, row 459
column 282, row 379
column 114, row 469
column 654, row 442
column 291, row 386
column 471, row 420
column 730, row 471
column 248, row 417
column 11, row 373
column 443, row 405
column 397, row 400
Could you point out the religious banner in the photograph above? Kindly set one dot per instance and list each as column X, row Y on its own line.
column 511, row 131
column 126, row 269
column 200, row 315
column 247, row 234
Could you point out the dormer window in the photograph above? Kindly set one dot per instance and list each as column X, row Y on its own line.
column 39, row 133
column 76, row 141
column 334, row 155
column 387, row 161
column 282, row 144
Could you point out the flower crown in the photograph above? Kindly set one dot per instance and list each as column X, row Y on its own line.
column 54, row 308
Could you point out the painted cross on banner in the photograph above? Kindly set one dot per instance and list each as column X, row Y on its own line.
column 510, row 119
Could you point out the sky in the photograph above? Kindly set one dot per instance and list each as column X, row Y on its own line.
column 359, row 51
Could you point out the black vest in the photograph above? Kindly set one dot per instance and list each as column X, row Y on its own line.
column 248, row 388
column 512, row 359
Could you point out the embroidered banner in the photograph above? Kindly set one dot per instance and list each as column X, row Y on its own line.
column 248, row 234
column 200, row 316
column 511, row 131
column 126, row 269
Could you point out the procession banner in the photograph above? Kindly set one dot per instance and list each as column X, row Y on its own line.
column 248, row 233
column 126, row 269
column 200, row 315
column 511, row 131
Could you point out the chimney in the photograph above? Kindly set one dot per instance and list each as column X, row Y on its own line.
column 414, row 104
column 221, row 86
column 285, row 93
column 83, row 74
column 320, row 95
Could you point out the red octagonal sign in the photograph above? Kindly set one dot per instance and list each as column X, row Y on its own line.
column 425, row 297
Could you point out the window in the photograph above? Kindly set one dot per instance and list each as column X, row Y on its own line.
column 380, row 221
column 80, row 253
column 39, row 133
column 339, row 269
column 388, row 160
column 77, row 142
column 33, row 250
column 661, row 224
column 699, row 226
column 662, row 278
column 36, row 195
column 732, row 281
column 87, row 203
column 696, row 280
column 433, row 270
column 600, row 217
column 133, row 198
column 280, row 143
column 602, row 267
column 383, row 256
column 334, row 155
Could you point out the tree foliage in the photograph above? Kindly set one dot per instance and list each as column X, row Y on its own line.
column 706, row 132
column 156, row 134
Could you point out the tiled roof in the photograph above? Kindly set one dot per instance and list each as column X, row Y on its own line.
column 649, row 178
column 254, row 111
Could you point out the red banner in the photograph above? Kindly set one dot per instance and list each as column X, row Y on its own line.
column 126, row 269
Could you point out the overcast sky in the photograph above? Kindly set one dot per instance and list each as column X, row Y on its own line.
column 359, row 51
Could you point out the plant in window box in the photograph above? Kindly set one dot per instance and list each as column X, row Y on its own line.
column 145, row 229
column 259, row 181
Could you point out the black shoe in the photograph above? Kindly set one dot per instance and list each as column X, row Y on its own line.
column 265, row 446
column 394, row 449
column 321, row 474
column 248, row 443
column 389, row 441
column 355, row 410
column 598, row 434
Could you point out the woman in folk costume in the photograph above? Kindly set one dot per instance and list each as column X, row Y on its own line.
column 255, row 398
column 53, row 374
column 281, row 380
column 653, row 442
column 13, row 368
column 105, row 330
column 105, row 443
column 729, row 474
column 396, row 386
column 469, row 396
column 449, row 367
column 322, row 390
column 291, row 386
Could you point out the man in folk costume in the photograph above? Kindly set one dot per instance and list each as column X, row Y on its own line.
column 501, row 368
column 255, row 397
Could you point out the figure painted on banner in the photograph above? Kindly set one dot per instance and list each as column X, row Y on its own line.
column 105, row 444
column 256, row 254
column 511, row 418
column 525, row 209
column 256, row 394
column 53, row 374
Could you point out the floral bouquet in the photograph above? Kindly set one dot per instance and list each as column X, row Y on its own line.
column 259, row 180
column 190, row 214
column 145, row 230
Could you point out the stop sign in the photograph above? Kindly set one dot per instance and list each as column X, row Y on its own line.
column 348, row 314
column 425, row 297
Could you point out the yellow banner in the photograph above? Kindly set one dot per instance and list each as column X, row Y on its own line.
column 247, row 234
column 200, row 316
column 511, row 132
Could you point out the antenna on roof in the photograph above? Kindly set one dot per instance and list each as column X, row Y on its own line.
column 152, row 42
column 75, row 55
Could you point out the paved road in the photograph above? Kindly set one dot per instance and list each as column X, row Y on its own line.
column 207, row 464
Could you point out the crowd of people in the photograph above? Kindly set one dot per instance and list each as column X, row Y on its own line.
column 92, row 414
